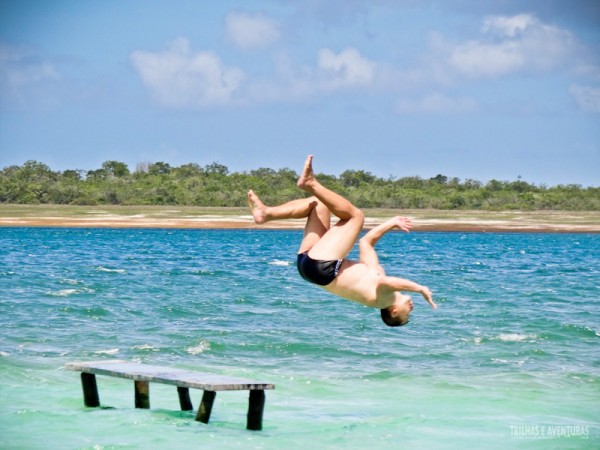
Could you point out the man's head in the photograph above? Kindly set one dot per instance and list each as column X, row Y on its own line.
column 398, row 313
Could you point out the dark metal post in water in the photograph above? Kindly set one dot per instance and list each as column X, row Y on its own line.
column 90, row 390
column 206, row 405
column 142, row 394
column 256, row 406
column 184, row 398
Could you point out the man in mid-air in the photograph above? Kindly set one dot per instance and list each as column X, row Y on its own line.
column 322, row 254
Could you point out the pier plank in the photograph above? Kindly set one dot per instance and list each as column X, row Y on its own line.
column 168, row 375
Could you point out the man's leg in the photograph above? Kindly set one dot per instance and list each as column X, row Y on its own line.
column 317, row 225
column 337, row 204
column 339, row 240
column 296, row 209
column 316, row 213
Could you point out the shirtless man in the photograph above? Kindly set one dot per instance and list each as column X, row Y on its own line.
column 322, row 254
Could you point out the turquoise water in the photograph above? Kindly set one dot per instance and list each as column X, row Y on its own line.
column 511, row 359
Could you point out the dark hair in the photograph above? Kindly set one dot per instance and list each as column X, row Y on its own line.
column 391, row 321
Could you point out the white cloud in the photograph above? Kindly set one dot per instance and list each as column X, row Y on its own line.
column 437, row 103
column 19, row 67
column 348, row 68
column 251, row 31
column 508, row 26
column 586, row 97
column 333, row 72
column 476, row 59
column 508, row 45
column 180, row 78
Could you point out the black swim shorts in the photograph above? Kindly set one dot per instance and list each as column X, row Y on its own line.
column 318, row 271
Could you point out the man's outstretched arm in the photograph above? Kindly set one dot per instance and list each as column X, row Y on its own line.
column 398, row 222
column 400, row 284
column 367, row 243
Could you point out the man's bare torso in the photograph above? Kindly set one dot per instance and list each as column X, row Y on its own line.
column 360, row 283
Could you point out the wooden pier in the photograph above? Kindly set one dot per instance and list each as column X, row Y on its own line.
column 143, row 374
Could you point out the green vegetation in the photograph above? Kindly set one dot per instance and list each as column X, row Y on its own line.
column 214, row 186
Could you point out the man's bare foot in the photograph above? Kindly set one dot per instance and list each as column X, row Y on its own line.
column 257, row 208
column 307, row 179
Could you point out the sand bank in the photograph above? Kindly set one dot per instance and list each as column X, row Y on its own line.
column 236, row 218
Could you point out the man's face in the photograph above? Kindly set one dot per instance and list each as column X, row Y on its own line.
column 403, row 306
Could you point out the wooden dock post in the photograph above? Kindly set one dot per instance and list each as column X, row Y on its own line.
column 142, row 394
column 90, row 390
column 208, row 398
column 184, row 399
column 256, row 406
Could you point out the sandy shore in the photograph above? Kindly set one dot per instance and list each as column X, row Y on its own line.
column 215, row 218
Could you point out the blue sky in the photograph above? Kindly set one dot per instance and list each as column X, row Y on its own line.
column 467, row 89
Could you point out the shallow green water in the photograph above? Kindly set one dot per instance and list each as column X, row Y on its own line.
column 509, row 360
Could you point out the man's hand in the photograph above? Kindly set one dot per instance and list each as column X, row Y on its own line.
column 398, row 222
column 402, row 223
column 426, row 293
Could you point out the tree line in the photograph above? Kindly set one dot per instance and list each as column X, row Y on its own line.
column 214, row 185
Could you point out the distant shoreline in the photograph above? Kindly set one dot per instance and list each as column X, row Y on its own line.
column 61, row 216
